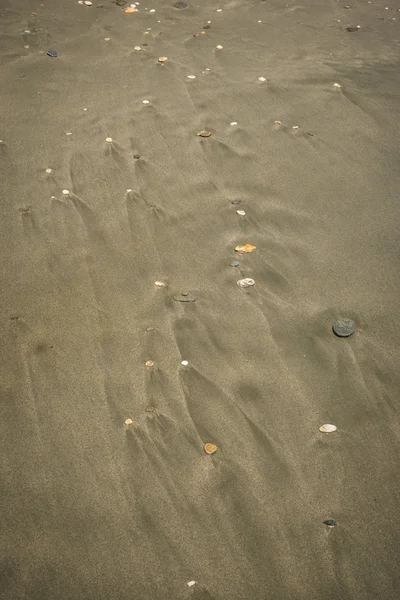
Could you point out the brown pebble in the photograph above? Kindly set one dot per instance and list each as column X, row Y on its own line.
column 204, row 133
column 128, row 421
column 149, row 409
column 210, row 448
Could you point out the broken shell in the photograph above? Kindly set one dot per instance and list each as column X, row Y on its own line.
column 159, row 283
column 210, row 448
column 109, row 140
column 162, row 59
column 128, row 421
column 241, row 213
column 262, row 79
column 246, row 248
column 327, row 428
column 247, row 282
column 204, row 133
column 149, row 363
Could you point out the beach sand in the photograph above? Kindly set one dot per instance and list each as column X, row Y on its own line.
column 93, row 508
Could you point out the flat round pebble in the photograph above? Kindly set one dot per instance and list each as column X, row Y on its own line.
column 184, row 363
column 52, row 53
column 262, row 79
column 204, row 134
column 149, row 363
column 330, row 523
column 245, row 283
column 128, row 421
column 162, row 59
column 344, row 327
column 235, row 263
column 327, row 428
column 109, row 140
column 210, row 448
column 65, row 192
column 241, row 213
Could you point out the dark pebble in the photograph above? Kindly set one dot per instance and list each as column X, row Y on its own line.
column 144, row 44
column 330, row 522
column 184, row 298
column 180, row 4
column 120, row 2
column 351, row 29
column 52, row 53
column 136, row 156
column 207, row 27
column 344, row 327
column 235, row 202
column 235, row 263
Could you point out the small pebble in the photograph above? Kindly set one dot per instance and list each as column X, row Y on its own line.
column 191, row 76
column 68, row 133
column 109, row 140
column 241, row 213
column 219, row 9
column 204, row 133
column 159, row 283
column 49, row 171
column 235, row 263
column 331, row 523
column 128, row 191
column 52, row 53
column 137, row 48
column 65, row 192
column 184, row 363
column 234, row 123
column 210, row 448
column 219, row 47
column 136, row 156
column 327, row 428
column 149, row 409
column 80, row 2
column 128, row 421
column 153, row 10
column 262, row 79
column 146, row 101
column 246, row 248
column 107, row 39
column 277, row 122
column 295, row 126
column 149, row 363
column 337, row 85
column 245, row 283
column 162, row 59
column 191, row 583
column 351, row 29
column 344, row 327
column 87, row 2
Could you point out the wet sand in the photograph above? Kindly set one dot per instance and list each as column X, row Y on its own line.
column 93, row 508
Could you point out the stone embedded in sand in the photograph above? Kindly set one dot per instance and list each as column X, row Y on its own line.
column 219, row 47
column 210, row 448
column 352, row 29
column 245, row 283
column 65, row 192
column 204, row 133
column 344, row 327
column 109, row 140
column 184, row 363
column 149, row 409
column 179, row 5
column 241, row 213
column 331, row 523
column 136, row 156
column 128, row 421
column 235, row 263
column 162, row 59
column 191, row 76
column 262, row 79
column 327, row 428
column 245, row 249
column 52, row 53
column 149, row 363
column 191, row 583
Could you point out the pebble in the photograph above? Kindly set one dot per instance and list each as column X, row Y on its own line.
column 68, row 133
column 327, row 428
column 128, row 421
column 351, row 29
column 107, row 39
column 136, row 156
column 210, row 448
column 337, row 85
column 180, row 5
column 162, row 59
column 204, row 133
column 184, row 363
column 49, row 171
column 87, row 2
column 241, row 213
column 262, row 79
column 52, row 53
column 246, row 248
column 191, row 583
column 331, row 523
column 295, row 127
column 234, row 123
column 109, row 140
column 149, row 363
column 344, row 327
column 219, row 47
column 65, row 192
column 191, row 76
column 153, row 10
column 159, row 283
column 235, row 263
column 146, row 101
column 245, row 283
column 235, row 202
column 149, row 409
column 137, row 48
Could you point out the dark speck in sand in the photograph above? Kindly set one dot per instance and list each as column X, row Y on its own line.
column 330, row 523
column 351, row 29
column 52, row 53
column 235, row 202
column 184, row 297
column 207, row 27
column 136, row 156
column 180, row 4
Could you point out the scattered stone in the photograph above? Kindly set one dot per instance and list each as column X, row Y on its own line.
column 128, row 421
column 159, row 283
column 352, row 29
column 337, row 85
column 184, row 298
column 49, row 171
column 179, row 5
column 204, row 133
column 191, row 76
column 327, row 428
column 146, row 101
column 65, row 192
column 245, row 283
column 207, row 27
column 149, row 409
column 246, row 248
column 52, row 53
column 136, row 156
column 210, row 448
column 331, row 523
column 109, row 140
column 149, row 363
column 344, row 327
column 162, row 59
column 184, row 363
column 235, row 263
column 137, row 48
column 262, row 79
column 87, row 2
column 191, row 583
column 153, row 10
column 241, row 213
column 219, row 47
column 295, row 127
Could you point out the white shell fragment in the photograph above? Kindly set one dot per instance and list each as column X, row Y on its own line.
column 185, row 363
column 234, row 123
column 159, row 283
column 146, row 101
column 49, row 171
column 327, row 428
column 109, row 140
column 219, row 47
column 137, row 48
column 191, row 583
column 241, row 213
column 65, row 192
column 262, row 79
column 191, row 76
column 247, row 282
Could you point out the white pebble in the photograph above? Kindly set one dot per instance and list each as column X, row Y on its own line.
column 109, row 140
column 85, row 109
column 146, row 101
column 65, row 192
column 247, row 282
column 207, row 69
column 68, row 133
column 27, row 31
column 234, row 123
column 219, row 9
column 153, row 10
column 262, row 79
column 295, row 126
column 88, row 3
column 80, row 2
column 159, row 283
column 241, row 213
column 191, row 76
column 259, row 21
column 208, row 22
column 49, row 171
column 337, row 85
column 191, row 583
column 128, row 191
column 185, row 364
column 219, row 47
column 137, row 48
column 327, row 428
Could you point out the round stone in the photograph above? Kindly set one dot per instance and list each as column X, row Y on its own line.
column 184, row 363
column 262, row 79
column 344, row 327
column 149, row 363
column 162, row 59
column 328, row 428
column 65, row 192
column 210, row 448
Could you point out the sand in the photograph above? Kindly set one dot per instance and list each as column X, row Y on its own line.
column 96, row 507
